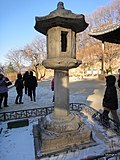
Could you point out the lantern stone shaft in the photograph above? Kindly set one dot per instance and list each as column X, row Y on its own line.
column 61, row 93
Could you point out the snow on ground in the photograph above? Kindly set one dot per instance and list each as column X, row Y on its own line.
column 13, row 144
column 17, row 143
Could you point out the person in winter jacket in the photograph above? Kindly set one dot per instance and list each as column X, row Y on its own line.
column 110, row 100
column 25, row 80
column 19, row 88
column 119, row 78
column 52, row 88
column 32, row 84
column 4, row 83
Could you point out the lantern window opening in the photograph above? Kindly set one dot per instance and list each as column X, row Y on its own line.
column 64, row 41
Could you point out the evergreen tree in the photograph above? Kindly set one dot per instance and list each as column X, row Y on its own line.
column 10, row 68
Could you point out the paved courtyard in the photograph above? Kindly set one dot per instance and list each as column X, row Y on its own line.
column 89, row 91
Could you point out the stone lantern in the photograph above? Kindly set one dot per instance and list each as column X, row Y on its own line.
column 60, row 28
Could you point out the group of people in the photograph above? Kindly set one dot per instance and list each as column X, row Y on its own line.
column 27, row 81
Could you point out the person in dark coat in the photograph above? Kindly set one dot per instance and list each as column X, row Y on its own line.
column 110, row 100
column 32, row 84
column 19, row 88
column 119, row 78
column 4, row 83
column 52, row 88
column 25, row 79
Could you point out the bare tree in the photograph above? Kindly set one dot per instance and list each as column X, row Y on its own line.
column 35, row 53
column 15, row 57
column 2, row 69
column 112, row 53
column 115, row 7
column 89, row 49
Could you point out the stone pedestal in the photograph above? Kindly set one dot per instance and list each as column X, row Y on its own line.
column 54, row 135
column 61, row 129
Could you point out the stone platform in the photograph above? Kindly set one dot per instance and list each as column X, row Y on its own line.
column 49, row 142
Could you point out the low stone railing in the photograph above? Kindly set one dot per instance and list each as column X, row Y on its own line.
column 27, row 113
column 36, row 112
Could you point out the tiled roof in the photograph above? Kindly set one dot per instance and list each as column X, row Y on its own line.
column 108, row 33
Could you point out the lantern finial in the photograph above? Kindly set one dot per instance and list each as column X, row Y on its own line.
column 60, row 5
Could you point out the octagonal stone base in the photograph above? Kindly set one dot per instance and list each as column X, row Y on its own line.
column 48, row 142
column 61, row 124
column 61, row 63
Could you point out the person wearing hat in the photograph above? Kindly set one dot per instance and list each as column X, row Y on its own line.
column 4, row 83
column 110, row 99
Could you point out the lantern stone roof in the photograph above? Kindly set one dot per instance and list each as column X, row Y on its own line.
column 61, row 17
column 109, row 33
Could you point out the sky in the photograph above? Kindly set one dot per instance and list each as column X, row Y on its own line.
column 17, row 19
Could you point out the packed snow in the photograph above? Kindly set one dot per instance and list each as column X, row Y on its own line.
column 18, row 143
